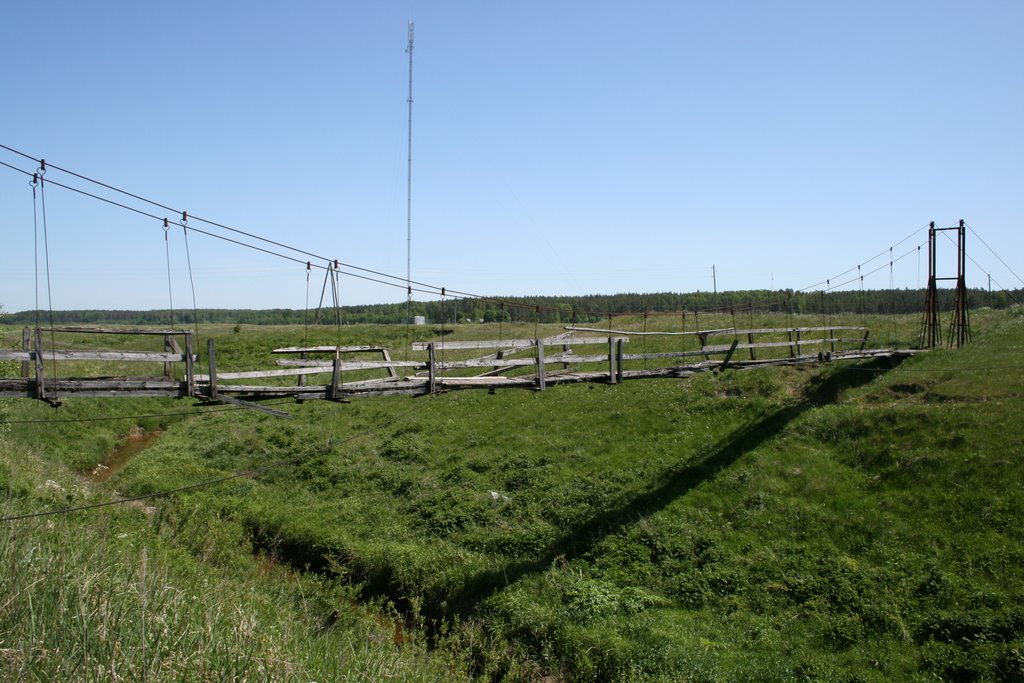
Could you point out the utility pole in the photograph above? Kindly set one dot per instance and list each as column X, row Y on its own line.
column 714, row 285
column 408, row 196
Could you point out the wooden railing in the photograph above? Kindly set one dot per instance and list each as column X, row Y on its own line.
column 34, row 358
column 534, row 363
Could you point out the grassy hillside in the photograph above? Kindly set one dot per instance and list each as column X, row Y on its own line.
column 848, row 522
column 116, row 593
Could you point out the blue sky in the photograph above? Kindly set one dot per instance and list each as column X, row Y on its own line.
column 558, row 148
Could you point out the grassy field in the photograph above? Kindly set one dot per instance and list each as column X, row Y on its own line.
column 848, row 522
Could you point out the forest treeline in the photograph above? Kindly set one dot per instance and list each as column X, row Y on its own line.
column 545, row 309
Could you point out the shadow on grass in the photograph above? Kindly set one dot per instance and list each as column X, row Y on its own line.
column 575, row 542
column 580, row 540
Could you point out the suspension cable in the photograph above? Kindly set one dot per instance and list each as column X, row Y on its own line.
column 167, row 250
column 49, row 288
column 430, row 289
column 191, row 280
column 994, row 254
column 336, row 296
column 35, row 238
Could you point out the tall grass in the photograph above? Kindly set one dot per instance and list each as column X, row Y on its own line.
column 102, row 596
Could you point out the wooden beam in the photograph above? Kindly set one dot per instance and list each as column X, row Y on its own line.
column 125, row 384
column 107, row 330
column 662, row 356
column 326, row 349
column 509, row 345
column 432, row 369
column 386, row 355
column 168, row 368
column 26, row 345
column 728, row 356
column 212, row 359
column 190, row 368
column 540, row 365
column 611, row 360
column 252, row 406
column 783, row 330
column 335, row 377
column 125, row 356
column 624, row 333
column 350, row 364
column 618, row 360
column 703, row 336
column 40, row 371
column 302, row 358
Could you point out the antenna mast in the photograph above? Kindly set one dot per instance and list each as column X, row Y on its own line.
column 408, row 199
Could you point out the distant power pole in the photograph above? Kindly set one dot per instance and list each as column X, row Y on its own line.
column 408, row 196
column 714, row 283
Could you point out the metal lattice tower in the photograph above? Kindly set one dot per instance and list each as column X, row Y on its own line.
column 408, row 197
column 960, row 326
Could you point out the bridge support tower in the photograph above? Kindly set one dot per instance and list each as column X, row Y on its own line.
column 960, row 327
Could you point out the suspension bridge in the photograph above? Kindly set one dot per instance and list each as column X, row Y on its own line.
column 49, row 368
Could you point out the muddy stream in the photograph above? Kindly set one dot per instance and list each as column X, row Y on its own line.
column 136, row 442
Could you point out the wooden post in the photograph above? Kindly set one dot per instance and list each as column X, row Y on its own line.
column 864, row 341
column 26, row 346
column 728, row 355
column 190, row 370
column 540, row 365
column 618, row 359
column 302, row 378
column 392, row 373
column 40, row 387
column 750, row 340
column 798, row 351
column 832, row 340
column 789, row 335
column 432, row 369
column 335, row 376
column 565, row 349
column 611, row 360
column 167, row 347
column 212, row 358
column 703, row 336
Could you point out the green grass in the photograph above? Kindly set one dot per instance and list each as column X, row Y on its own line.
column 170, row 594
column 850, row 522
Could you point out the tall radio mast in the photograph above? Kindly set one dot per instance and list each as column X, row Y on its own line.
column 408, row 198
